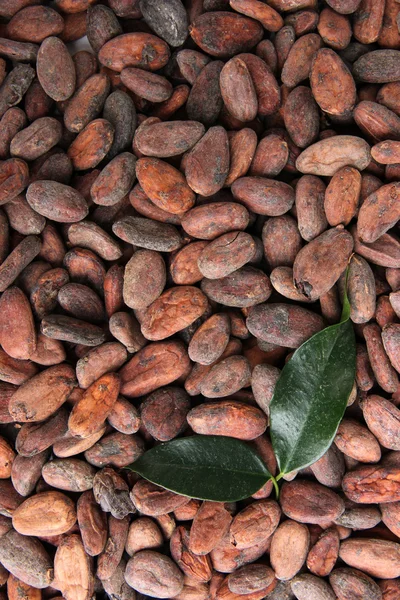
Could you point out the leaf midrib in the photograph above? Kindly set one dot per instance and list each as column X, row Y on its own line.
column 308, row 410
column 227, row 470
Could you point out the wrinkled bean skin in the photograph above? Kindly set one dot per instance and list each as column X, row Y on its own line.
column 139, row 574
column 311, row 264
column 134, row 50
column 184, row 195
column 265, row 322
column 212, row 419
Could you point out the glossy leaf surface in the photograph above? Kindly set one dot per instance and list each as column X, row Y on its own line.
column 311, row 395
column 211, row 467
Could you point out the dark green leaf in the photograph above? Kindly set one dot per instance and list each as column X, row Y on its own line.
column 211, row 467
column 311, row 396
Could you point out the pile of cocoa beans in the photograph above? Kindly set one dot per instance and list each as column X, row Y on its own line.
column 179, row 203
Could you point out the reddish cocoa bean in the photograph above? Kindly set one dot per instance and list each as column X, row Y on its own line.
column 383, row 420
column 140, row 572
column 55, row 69
column 207, row 164
column 328, row 507
column 263, row 196
column 358, row 442
column 163, row 413
column 87, row 103
column 372, row 484
column 289, row 547
column 26, row 559
column 195, row 566
column 134, row 50
column 265, row 322
column 154, row 501
column 211, row 220
column 385, row 375
column 210, row 33
column 220, row 418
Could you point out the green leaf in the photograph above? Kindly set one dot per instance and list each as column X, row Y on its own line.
column 311, row 396
column 212, row 467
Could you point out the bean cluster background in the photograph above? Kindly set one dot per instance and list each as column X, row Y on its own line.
column 178, row 208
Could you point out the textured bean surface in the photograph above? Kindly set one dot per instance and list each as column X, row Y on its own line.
column 180, row 194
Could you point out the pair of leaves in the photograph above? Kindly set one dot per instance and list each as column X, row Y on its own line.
column 309, row 402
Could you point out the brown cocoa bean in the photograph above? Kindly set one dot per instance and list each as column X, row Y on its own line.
column 143, row 534
column 210, row 32
column 43, row 394
column 324, row 553
column 264, row 196
column 136, row 49
column 34, row 438
column 71, row 558
column 327, row 156
column 332, row 84
column 250, row 578
column 207, row 163
column 14, row 176
column 357, row 441
column 70, row 474
column 44, row 514
column 164, row 185
column 90, row 412
column 348, row 583
column 318, row 504
column 237, row 89
column 81, row 302
column 297, row 65
column 226, row 417
column 91, row 145
column 140, row 572
column 25, row 558
column 161, row 319
column 383, row 420
column 87, row 103
column 154, row 501
column 255, row 523
column 372, row 484
column 148, row 234
column 17, row 327
column 60, row 327
column 115, row 449
column 163, row 413
column 197, row 567
column 384, row 373
column 379, row 66
column 289, row 547
column 243, row 288
column 306, row 585
column 37, row 139
column 155, row 365
column 112, row 493
column 379, row 558
column 269, row 322
column 205, row 101
column 55, row 69
column 92, row 524
column 57, row 201
column 209, row 221
column 311, row 273
column 270, row 156
column 26, row 472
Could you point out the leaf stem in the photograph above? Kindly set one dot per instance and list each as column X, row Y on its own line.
column 276, row 486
